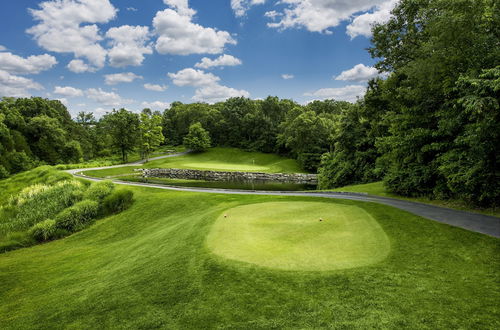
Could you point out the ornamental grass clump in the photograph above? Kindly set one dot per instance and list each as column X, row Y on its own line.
column 37, row 203
column 118, row 201
column 44, row 231
column 99, row 190
column 78, row 216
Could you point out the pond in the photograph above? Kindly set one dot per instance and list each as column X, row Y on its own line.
column 243, row 185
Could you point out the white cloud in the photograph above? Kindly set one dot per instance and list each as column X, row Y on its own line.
column 178, row 35
column 362, row 24
column 131, row 9
column 223, row 60
column 68, row 91
column 129, row 45
column 208, row 88
column 217, row 93
column 106, row 98
column 15, row 86
column 240, row 7
column 155, row 88
column 318, row 15
column 30, row 65
column 192, row 77
column 156, row 105
column 124, row 77
column 348, row 93
column 61, row 27
column 2, row 48
column 272, row 14
column 79, row 66
column 287, row 76
column 359, row 72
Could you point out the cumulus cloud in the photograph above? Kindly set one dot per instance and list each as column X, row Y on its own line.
column 129, row 45
column 178, row 35
column 106, row 98
column 79, row 66
column 223, row 60
column 287, row 76
column 317, row 15
column 240, row 7
column 359, row 72
column 193, row 77
column 2, row 48
column 65, row 27
column 362, row 24
column 124, row 77
column 30, row 65
column 68, row 91
column 217, row 93
column 15, row 86
column 155, row 88
column 208, row 88
column 156, row 105
column 348, row 93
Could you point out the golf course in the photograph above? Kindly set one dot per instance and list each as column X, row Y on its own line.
column 197, row 260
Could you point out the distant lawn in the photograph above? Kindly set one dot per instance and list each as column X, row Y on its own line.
column 378, row 189
column 215, row 159
column 152, row 266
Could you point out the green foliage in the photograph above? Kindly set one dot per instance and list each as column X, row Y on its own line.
column 73, row 152
column 197, row 139
column 44, row 231
column 77, row 216
column 123, row 129
column 3, row 172
column 99, row 190
column 118, row 201
column 150, row 132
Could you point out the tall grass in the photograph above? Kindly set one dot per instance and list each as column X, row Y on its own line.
column 37, row 203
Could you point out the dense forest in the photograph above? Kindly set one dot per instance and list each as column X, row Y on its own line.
column 429, row 127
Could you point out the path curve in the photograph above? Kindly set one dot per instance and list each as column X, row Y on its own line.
column 476, row 222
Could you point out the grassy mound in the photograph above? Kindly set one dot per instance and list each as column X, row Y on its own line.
column 307, row 236
column 149, row 267
column 215, row 159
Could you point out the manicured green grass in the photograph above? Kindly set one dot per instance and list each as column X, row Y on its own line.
column 150, row 267
column 378, row 189
column 309, row 236
column 216, row 159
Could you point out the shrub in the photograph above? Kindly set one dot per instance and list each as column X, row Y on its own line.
column 3, row 172
column 99, row 190
column 118, row 201
column 77, row 216
column 44, row 231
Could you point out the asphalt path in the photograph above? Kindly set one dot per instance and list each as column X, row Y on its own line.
column 476, row 222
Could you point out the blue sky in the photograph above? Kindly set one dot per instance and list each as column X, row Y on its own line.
column 96, row 55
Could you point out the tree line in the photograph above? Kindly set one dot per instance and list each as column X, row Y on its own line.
column 430, row 127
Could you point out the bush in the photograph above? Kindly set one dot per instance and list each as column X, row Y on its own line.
column 197, row 139
column 3, row 172
column 118, row 201
column 77, row 216
column 44, row 231
column 99, row 190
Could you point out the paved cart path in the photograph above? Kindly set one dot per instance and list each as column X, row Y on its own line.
column 476, row 222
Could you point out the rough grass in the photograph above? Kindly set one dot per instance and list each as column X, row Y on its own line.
column 150, row 267
column 215, row 159
column 378, row 189
column 307, row 236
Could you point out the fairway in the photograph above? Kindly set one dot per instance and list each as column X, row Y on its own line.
column 290, row 236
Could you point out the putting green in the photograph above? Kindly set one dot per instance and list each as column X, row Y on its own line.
column 290, row 236
column 226, row 167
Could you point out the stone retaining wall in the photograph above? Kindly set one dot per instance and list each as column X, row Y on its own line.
column 174, row 173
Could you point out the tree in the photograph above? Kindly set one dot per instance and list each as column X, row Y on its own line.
column 150, row 132
column 123, row 128
column 197, row 139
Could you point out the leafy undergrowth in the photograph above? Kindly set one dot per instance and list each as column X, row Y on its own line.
column 54, row 207
column 149, row 267
column 378, row 189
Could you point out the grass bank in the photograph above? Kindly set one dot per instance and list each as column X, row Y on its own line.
column 378, row 189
